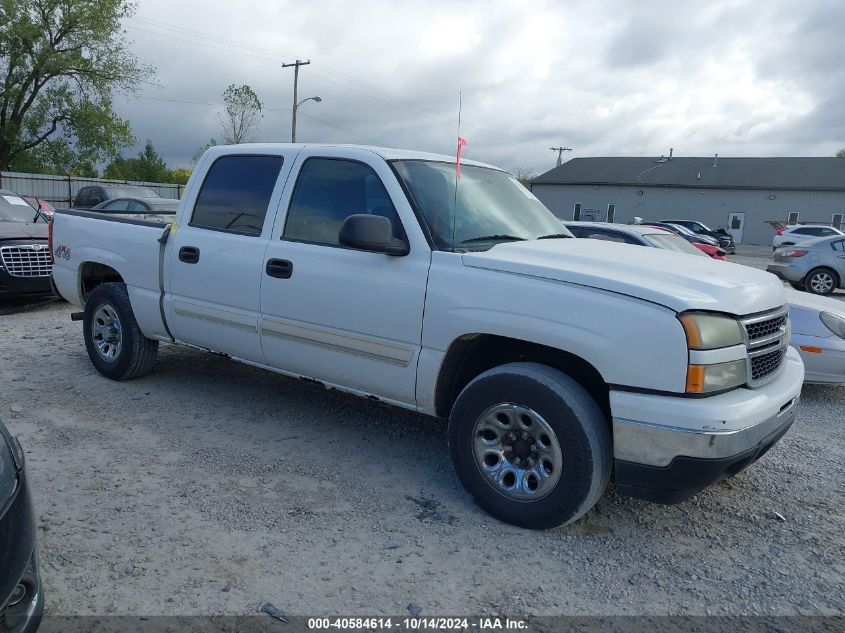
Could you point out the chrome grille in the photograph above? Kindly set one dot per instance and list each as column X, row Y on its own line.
column 763, row 329
column 27, row 260
column 765, row 363
column 766, row 338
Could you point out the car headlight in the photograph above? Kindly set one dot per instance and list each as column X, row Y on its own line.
column 833, row 322
column 716, row 377
column 711, row 331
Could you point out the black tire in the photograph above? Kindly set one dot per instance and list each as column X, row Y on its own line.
column 814, row 285
column 136, row 353
column 796, row 285
column 582, row 432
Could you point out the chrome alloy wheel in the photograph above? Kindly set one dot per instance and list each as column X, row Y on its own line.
column 106, row 332
column 517, row 452
column 821, row 282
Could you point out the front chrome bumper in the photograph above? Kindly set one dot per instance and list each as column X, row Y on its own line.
column 668, row 448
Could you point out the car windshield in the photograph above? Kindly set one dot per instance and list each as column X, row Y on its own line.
column 490, row 206
column 15, row 209
column 132, row 192
column 672, row 242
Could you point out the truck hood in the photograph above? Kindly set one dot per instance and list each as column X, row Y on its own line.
column 675, row 280
column 22, row 231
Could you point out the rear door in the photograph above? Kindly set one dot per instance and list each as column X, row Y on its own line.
column 217, row 252
column 344, row 316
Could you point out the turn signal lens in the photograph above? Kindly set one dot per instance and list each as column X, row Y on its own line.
column 717, row 377
column 795, row 252
column 812, row 350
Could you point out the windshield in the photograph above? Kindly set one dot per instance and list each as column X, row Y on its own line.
column 672, row 242
column 15, row 209
column 492, row 206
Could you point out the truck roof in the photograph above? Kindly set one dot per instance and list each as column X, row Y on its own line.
column 387, row 153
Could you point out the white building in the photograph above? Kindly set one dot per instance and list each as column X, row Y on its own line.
column 742, row 194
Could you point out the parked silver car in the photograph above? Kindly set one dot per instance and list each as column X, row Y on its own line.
column 817, row 266
column 818, row 333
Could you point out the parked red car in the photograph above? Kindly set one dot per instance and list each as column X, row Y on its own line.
column 714, row 251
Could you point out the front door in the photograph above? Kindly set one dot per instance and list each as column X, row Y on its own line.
column 217, row 254
column 736, row 225
column 343, row 316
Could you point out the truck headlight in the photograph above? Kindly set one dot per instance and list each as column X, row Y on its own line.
column 834, row 323
column 711, row 331
column 717, row 377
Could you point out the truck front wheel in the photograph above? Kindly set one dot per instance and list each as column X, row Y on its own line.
column 530, row 444
column 115, row 343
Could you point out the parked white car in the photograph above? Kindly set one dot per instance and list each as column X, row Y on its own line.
column 799, row 233
column 557, row 361
column 818, row 332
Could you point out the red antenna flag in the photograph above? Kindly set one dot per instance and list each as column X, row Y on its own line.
column 461, row 142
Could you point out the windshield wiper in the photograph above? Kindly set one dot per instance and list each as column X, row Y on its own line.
column 554, row 236
column 490, row 238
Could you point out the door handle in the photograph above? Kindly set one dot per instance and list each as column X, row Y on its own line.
column 189, row 254
column 280, row 268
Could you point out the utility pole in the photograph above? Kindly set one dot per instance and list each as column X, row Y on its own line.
column 560, row 151
column 296, row 66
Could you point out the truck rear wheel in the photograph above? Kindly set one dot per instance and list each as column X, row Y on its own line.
column 531, row 445
column 115, row 343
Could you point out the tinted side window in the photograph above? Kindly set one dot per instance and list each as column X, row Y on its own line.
column 327, row 192
column 235, row 194
column 118, row 205
column 827, row 232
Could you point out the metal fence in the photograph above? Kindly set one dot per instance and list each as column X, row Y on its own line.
column 60, row 191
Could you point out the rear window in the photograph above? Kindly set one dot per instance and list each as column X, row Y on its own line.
column 13, row 208
column 236, row 193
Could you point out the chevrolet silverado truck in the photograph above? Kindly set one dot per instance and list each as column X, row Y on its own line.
column 558, row 362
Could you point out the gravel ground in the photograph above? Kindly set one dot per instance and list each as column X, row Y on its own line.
column 209, row 487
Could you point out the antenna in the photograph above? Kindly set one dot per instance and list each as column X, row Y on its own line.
column 457, row 167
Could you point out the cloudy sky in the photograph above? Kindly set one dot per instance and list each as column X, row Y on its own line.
column 607, row 77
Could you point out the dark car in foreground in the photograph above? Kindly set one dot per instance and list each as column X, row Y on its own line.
column 21, row 594
column 817, row 266
column 92, row 195
column 25, row 261
column 725, row 239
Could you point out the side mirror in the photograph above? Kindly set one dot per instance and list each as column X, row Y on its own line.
column 372, row 233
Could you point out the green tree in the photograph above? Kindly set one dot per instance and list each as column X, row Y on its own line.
column 840, row 153
column 180, row 176
column 60, row 63
column 148, row 167
column 241, row 115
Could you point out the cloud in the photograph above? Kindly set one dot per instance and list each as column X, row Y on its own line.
column 606, row 78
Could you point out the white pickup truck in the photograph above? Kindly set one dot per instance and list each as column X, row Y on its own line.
column 558, row 362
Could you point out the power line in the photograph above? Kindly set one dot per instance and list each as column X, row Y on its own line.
column 325, row 73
